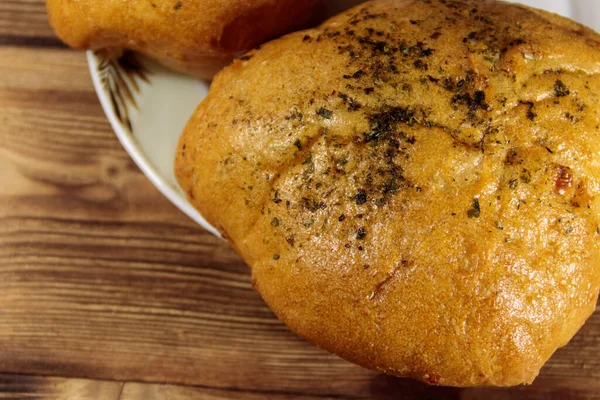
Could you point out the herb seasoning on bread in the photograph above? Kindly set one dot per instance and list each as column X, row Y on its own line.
column 415, row 184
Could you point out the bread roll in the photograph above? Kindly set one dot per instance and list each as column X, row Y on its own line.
column 415, row 184
column 197, row 37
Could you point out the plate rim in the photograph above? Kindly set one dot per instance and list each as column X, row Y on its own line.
column 133, row 149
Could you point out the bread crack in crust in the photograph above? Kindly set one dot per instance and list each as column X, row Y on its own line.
column 415, row 184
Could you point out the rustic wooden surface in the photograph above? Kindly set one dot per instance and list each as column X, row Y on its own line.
column 107, row 291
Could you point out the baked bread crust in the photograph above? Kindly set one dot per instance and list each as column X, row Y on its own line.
column 414, row 184
column 198, row 37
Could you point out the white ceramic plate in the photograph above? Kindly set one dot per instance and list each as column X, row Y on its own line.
column 148, row 105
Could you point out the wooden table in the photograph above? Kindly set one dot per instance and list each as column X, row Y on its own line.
column 108, row 292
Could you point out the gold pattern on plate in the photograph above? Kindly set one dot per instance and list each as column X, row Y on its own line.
column 119, row 73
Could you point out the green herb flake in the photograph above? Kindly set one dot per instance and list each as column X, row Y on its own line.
column 177, row 5
column 385, row 122
column 361, row 233
column 275, row 222
column 298, row 144
column 526, row 176
column 324, row 113
column 310, row 169
column 361, row 197
column 276, row 257
column 560, row 89
column 276, row 198
column 475, row 210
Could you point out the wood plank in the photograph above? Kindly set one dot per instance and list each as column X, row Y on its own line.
column 17, row 387
column 542, row 389
column 55, row 140
column 58, row 388
column 102, row 277
column 44, row 71
column 137, row 391
column 25, row 19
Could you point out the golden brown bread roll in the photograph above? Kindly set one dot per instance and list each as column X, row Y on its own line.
column 415, row 184
column 197, row 37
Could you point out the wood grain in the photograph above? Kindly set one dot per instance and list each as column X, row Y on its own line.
column 17, row 387
column 102, row 278
column 24, row 22
column 541, row 390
